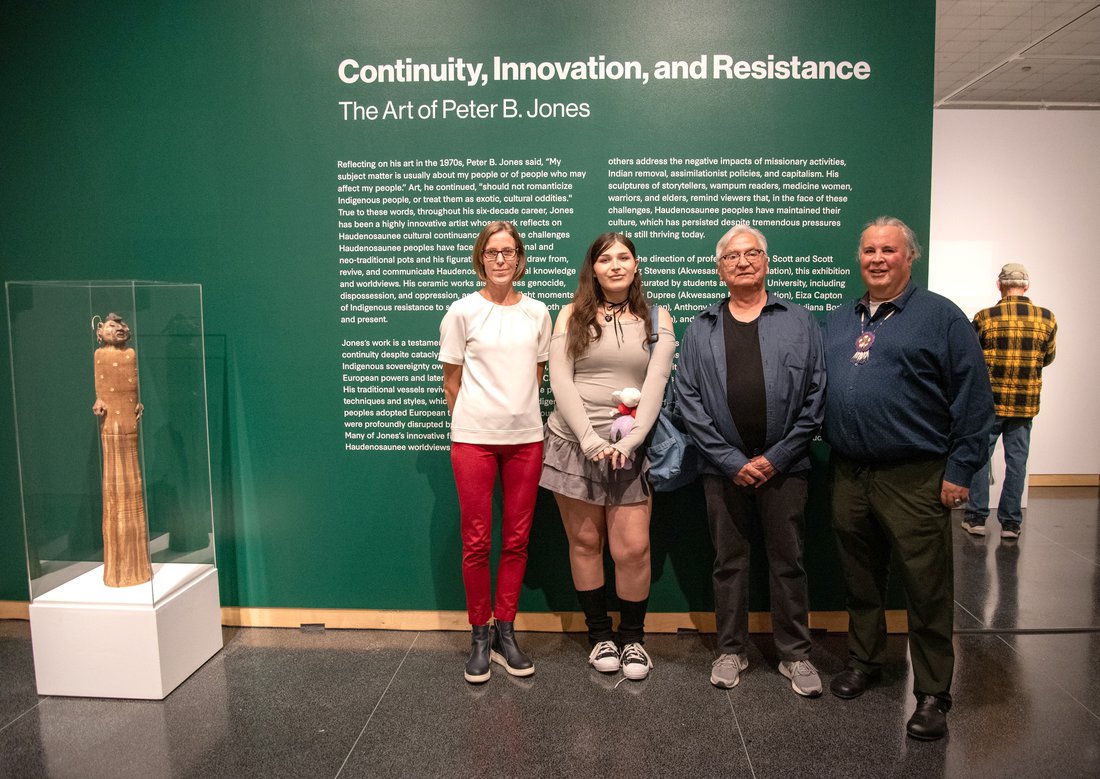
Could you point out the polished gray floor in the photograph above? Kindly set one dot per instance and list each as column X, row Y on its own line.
column 287, row 703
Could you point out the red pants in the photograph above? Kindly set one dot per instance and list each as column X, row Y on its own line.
column 475, row 467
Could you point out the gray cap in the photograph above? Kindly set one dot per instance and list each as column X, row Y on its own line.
column 1014, row 271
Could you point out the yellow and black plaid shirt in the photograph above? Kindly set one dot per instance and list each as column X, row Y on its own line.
column 1018, row 341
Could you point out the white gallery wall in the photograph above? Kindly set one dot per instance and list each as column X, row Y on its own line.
column 1024, row 186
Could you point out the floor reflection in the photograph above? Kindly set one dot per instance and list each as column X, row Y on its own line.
column 277, row 703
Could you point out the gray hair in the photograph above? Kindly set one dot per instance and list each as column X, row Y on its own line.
column 893, row 221
column 737, row 229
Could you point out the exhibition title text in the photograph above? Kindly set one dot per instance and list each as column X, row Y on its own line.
column 600, row 68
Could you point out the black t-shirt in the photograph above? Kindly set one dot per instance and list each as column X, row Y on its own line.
column 745, row 381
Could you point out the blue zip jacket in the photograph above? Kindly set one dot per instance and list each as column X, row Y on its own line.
column 794, row 383
column 922, row 393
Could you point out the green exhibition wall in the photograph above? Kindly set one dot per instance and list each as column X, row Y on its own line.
column 321, row 168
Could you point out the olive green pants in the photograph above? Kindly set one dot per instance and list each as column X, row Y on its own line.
column 882, row 509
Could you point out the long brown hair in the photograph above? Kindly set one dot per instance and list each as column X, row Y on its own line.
column 583, row 329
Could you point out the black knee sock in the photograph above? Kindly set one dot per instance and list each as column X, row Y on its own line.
column 632, row 621
column 594, row 605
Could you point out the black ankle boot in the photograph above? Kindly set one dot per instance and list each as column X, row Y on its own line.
column 507, row 653
column 477, row 667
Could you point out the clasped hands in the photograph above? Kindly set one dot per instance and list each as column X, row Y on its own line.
column 617, row 458
column 755, row 472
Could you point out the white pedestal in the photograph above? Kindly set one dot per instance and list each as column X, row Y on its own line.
column 115, row 642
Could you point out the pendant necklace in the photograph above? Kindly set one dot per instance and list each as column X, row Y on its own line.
column 611, row 310
column 866, row 338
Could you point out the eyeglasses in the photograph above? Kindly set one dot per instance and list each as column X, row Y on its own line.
column 491, row 254
column 752, row 255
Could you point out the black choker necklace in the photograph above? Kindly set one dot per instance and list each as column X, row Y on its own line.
column 611, row 310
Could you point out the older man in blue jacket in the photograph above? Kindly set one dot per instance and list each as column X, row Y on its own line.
column 751, row 385
column 908, row 419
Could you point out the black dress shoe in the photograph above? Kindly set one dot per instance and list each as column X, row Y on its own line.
column 929, row 721
column 852, row 682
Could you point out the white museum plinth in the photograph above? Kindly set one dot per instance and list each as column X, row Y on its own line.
column 92, row 640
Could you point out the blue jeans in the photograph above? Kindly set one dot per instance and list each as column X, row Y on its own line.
column 1017, row 438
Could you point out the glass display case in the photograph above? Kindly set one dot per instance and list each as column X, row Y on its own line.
column 113, row 449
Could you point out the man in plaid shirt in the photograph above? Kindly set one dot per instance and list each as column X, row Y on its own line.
column 1018, row 341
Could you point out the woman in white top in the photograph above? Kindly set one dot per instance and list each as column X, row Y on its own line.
column 603, row 343
column 494, row 344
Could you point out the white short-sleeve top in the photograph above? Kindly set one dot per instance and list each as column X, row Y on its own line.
column 498, row 348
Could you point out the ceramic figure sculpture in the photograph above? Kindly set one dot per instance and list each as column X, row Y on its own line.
column 125, row 536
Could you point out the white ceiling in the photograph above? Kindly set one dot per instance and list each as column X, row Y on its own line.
column 1017, row 54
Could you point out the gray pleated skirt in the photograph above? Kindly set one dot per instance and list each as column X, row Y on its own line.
column 566, row 471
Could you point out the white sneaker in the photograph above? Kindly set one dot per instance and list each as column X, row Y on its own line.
column 804, row 678
column 635, row 662
column 605, row 657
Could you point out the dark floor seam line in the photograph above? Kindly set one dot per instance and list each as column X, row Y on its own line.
column 1072, row 697
column 376, row 705
column 1081, row 704
column 1025, row 631
column 21, row 716
column 740, row 734
column 1069, row 549
column 970, row 614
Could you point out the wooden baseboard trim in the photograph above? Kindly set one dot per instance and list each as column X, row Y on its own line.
column 543, row 622
column 1064, row 480
column 14, row 609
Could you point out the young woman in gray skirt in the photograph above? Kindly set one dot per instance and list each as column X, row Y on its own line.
column 601, row 344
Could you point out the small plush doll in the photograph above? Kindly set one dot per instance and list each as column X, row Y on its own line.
column 624, row 413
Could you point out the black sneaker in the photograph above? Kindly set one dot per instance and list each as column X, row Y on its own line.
column 605, row 657
column 635, row 662
column 1010, row 530
column 974, row 527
